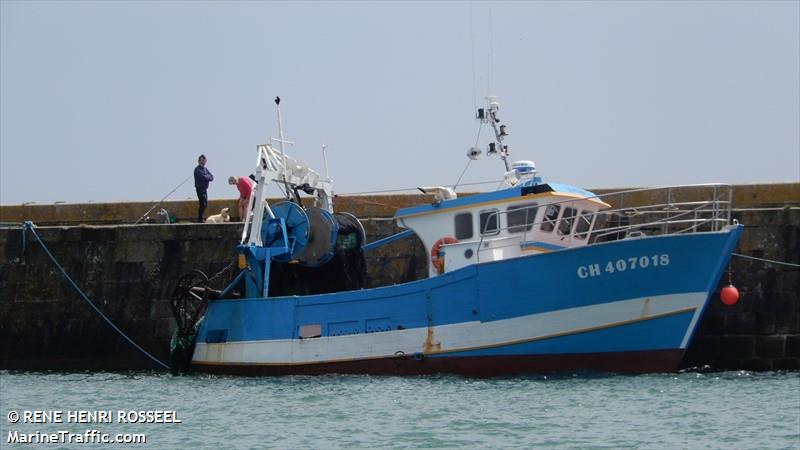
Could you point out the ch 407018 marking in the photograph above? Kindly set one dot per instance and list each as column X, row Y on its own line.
column 623, row 264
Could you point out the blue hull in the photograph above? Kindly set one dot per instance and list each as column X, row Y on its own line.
column 623, row 306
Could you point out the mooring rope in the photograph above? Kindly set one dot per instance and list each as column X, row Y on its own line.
column 29, row 226
column 771, row 261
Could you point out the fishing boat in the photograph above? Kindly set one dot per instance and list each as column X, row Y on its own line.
column 533, row 277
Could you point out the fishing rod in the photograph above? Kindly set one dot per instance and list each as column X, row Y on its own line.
column 164, row 198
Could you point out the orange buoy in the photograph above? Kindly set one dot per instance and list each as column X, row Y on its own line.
column 729, row 295
column 436, row 260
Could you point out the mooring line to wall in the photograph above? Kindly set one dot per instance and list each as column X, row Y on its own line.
column 29, row 226
column 771, row 261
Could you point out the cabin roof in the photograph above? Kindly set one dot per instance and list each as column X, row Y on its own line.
column 524, row 191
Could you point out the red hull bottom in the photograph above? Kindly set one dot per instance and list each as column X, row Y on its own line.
column 653, row 361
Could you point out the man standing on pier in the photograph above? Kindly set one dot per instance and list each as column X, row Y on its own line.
column 201, row 179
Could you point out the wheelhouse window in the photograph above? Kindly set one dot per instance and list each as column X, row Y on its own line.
column 584, row 224
column 463, row 225
column 567, row 219
column 521, row 217
column 550, row 216
column 488, row 222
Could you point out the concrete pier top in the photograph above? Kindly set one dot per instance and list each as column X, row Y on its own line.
column 744, row 196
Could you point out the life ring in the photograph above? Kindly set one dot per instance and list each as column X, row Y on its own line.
column 436, row 261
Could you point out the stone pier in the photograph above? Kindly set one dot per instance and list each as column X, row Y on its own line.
column 129, row 272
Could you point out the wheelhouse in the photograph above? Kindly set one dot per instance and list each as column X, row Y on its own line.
column 509, row 223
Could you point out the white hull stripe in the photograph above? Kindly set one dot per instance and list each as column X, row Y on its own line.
column 453, row 337
column 697, row 314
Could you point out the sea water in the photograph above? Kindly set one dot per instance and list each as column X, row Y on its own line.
column 726, row 410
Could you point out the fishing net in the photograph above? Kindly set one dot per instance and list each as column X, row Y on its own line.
column 345, row 271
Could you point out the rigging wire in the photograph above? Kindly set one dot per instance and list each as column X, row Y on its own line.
column 477, row 139
column 411, row 188
column 469, row 160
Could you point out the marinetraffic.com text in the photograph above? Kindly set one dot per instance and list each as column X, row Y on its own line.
column 89, row 417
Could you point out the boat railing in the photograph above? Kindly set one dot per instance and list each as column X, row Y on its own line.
column 666, row 210
column 632, row 213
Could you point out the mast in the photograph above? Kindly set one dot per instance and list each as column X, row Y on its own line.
column 281, row 141
column 489, row 115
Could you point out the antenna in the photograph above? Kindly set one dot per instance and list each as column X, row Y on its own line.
column 325, row 160
column 491, row 52
column 472, row 46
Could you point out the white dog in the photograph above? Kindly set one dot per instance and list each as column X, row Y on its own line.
column 222, row 217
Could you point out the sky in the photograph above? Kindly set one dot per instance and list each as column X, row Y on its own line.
column 114, row 101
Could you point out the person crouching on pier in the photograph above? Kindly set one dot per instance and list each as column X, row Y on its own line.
column 245, row 187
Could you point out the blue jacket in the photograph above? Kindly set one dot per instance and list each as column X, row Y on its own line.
column 202, row 177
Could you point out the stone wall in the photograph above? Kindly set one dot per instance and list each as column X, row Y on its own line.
column 127, row 271
column 762, row 331
column 130, row 271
